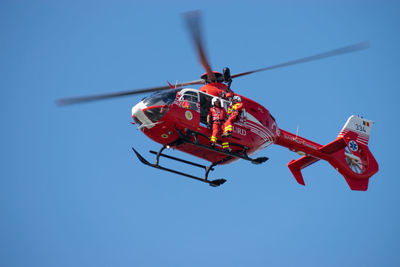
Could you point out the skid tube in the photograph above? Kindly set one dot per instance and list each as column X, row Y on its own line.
column 159, row 154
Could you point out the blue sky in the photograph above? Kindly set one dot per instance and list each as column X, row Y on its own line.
column 73, row 194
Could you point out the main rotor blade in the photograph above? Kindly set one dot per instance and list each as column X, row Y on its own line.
column 193, row 20
column 83, row 99
column 332, row 53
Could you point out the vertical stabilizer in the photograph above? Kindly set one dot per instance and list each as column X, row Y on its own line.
column 362, row 127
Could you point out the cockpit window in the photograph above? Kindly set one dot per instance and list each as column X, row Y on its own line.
column 161, row 98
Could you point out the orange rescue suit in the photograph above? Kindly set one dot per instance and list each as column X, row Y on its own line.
column 234, row 111
column 218, row 116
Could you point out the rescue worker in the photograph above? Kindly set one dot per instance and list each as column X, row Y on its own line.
column 215, row 120
column 229, row 95
column 184, row 104
column 226, row 95
column 235, row 109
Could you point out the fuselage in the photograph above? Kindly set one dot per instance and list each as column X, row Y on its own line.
column 160, row 116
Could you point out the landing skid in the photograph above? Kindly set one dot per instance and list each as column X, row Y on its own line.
column 159, row 154
column 186, row 138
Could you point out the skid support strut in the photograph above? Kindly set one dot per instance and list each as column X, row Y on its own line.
column 207, row 169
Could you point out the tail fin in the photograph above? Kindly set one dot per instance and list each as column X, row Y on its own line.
column 348, row 154
column 362, row 127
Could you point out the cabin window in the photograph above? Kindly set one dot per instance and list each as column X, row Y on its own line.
column 189, row 100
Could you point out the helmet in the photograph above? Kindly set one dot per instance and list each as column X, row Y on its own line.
column 214, row 100
column 237, row 98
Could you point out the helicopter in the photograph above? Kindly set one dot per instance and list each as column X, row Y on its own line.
column 175, row 116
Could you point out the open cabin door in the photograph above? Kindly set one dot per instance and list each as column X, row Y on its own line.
column 205, row 105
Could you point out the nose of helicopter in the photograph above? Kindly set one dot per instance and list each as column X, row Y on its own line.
column 146, row 116
column 139, row 116
column 151, row 109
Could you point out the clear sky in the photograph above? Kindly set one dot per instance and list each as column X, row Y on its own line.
column 72, row 193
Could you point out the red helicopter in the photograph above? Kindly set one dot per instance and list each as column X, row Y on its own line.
column 175, row 116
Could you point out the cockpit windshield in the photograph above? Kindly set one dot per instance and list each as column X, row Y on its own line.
column 161, row 98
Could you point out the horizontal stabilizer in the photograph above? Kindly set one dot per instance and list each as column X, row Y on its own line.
column 296, row 166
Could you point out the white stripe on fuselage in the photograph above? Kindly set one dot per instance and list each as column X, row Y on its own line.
column 258, row 128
